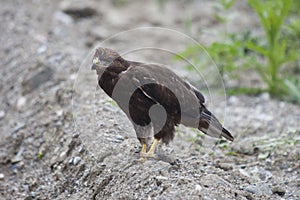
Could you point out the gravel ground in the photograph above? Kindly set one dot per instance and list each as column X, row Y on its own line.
column 63, row 138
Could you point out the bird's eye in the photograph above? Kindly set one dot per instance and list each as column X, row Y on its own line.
column 96, row 60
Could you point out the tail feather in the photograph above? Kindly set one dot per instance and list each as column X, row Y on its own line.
column 211, row 126
column 226, row 134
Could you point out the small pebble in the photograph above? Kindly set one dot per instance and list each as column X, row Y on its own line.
column 42, row 49
column 73, row 76
column 161, row 178
column 263, row 155
column 198, row 188
column 76, row 160
column 225, row 166
column 1, row 176
column 2, row 114
column 17, row 158
column 119, row 137
column 278, row 190
column 33, row 194
column 80, row 149
column 63, row 155
column 59, row 113
column 21, row 103
column 244, row 173
column 78, row 182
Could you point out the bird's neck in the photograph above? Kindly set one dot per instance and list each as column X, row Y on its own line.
column 119, row 65
column 111, row 75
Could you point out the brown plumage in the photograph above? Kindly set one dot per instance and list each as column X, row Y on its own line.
column 154, row 97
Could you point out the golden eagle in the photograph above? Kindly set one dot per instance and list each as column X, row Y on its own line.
column 154, row 98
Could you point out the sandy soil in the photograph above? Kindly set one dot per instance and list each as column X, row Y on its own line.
column 63, row 138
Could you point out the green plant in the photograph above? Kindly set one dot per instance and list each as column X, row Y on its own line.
column 271, row 56
column 222, row 5
column 272, row 15
column 293, row 86
column 295, row 7
column 230, row 55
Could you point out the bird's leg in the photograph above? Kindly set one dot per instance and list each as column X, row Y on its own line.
column 153, row 147
column 143, row 152
column 151, row 152
column 144, row 149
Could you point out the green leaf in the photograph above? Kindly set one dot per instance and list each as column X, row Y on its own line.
column 293, row 89
column 257, row 48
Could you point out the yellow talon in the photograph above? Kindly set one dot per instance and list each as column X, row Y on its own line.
column 144, row 148
column 153, row 147
column 141, row 159
column 151, row 152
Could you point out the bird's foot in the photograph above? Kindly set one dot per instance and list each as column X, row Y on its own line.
column 141, row 159
column 145, row 156
column 148, row 155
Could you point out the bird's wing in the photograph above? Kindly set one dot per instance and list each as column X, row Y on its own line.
column 189, row 98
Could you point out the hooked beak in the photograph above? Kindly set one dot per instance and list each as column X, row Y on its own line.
column 95, row 67
column 96, row 64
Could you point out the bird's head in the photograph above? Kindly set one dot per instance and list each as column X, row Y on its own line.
column 103, row 57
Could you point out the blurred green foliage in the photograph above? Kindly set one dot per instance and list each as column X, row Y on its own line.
column 274, row 56
column 272, row 15
column 221, row 6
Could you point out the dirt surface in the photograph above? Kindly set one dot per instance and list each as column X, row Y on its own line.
column 63, row 138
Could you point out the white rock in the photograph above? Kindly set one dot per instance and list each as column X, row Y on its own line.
column 198, row 188
column 63, row 155
column 80, row 149
column 59, row 113
column 244, row 173
column 71, row 160
column 119, row 137
column 2, row 114
column 21, row 103
column 161, row 178
column 76, row 160
column 73, row 76
column 1, row 176
column 42, row 49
